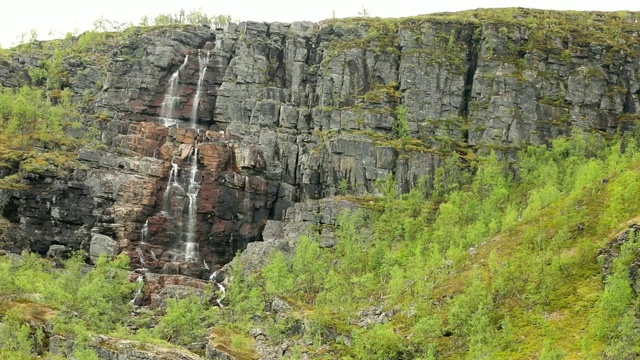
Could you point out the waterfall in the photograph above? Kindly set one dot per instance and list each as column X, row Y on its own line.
column 144, row 233
column 203, row 60
column 224, row 294
column 180, row 206
column 221, row 287
column 173, row 182
column 180, row 198
column 171, row 96
column 141, row 256
column 191, row 252
column 153, row 255
column 140, row 281
column 191, row 247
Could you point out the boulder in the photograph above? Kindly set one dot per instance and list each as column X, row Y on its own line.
column 102, row 245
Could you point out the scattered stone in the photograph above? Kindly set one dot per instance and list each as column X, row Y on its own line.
column 102, row 245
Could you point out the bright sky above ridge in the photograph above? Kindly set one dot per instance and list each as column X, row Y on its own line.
column 56, row 18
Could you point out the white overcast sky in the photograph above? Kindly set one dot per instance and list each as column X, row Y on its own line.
column 62, row 16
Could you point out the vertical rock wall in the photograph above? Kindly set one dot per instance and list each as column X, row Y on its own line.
column 291, row 112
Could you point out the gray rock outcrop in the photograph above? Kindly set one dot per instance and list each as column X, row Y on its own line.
column 102, row 245
column 288, row 113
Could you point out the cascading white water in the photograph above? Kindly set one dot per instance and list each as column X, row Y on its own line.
column 183, row 186
column 144, row 236
column 180, row 206
column 221, row 287
column 173, row 182
column 224, row 294
column 144, row 233
column 171, row 96
column 191, row 247
column 152, row 255
column 141, row 256
column 140, row 281
column 204, row 56
column 191, row 252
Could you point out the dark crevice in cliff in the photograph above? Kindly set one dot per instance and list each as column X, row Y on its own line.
column 472, row 60
column 11, row 210
column 506, row 132
column 629, row 104
column 398, row 60
column 276, row 71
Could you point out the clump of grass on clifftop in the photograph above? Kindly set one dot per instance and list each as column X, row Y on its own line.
column 546, row 28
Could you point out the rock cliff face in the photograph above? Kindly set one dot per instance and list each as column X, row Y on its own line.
column 285, row 113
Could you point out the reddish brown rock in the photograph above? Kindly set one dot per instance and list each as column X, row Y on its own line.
column 184, row 150
column 221, row 228
column 256, row 184
column 145, row 138
column 210, row 193
column 141, row 192
column 166, row 151
column 215, row 156
column 154, row 131
column 186, row 136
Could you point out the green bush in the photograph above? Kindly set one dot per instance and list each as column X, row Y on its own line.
column 401, row 126
column 187, row 320
column 16, row 342
column 84, row 300
column 380, row 342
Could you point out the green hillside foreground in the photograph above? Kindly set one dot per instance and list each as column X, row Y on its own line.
column 503, row 259
column 502, row 264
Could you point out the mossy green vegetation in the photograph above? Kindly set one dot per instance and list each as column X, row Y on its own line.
column 499, row 261
column 613, row 28
column 73, row 301
column 78, row 302
column 34, row 136
column 177, row 325
column 524, row 31
column 31, row 118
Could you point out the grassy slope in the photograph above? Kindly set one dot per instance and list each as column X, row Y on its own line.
column 526, row 285
column 564, row 318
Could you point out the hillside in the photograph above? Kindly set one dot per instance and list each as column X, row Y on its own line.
column 458, row 185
